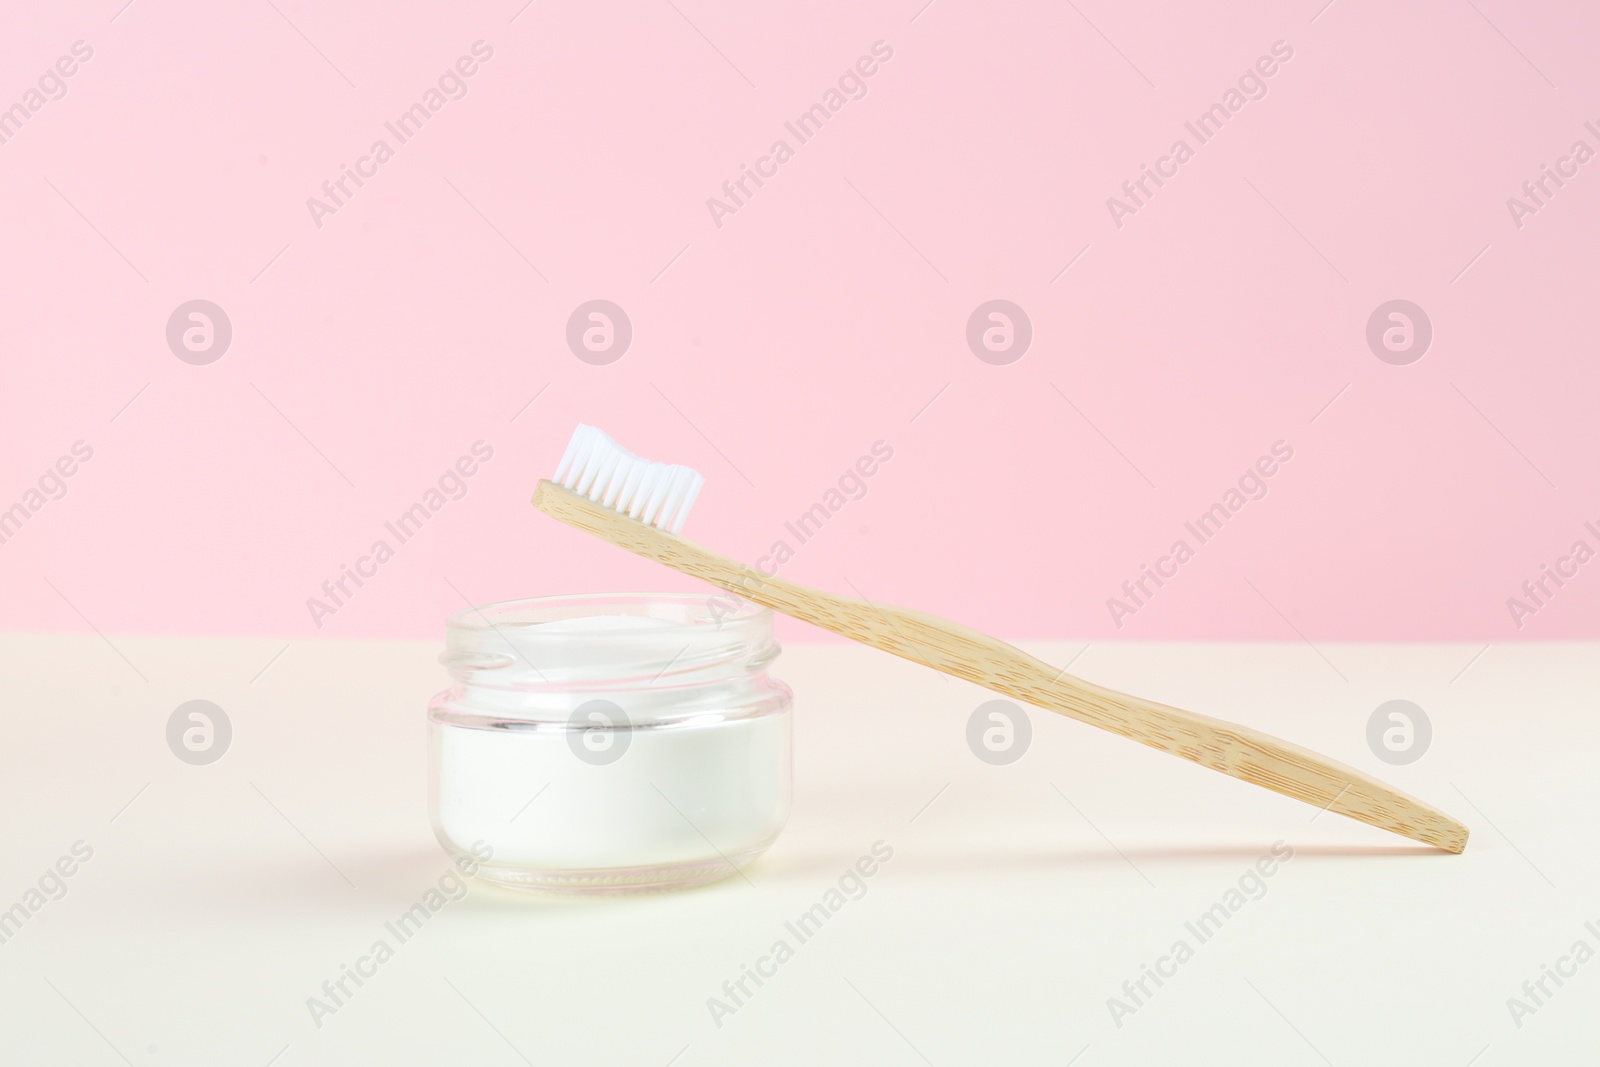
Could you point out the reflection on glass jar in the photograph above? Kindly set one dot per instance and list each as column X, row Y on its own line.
column 610, row 743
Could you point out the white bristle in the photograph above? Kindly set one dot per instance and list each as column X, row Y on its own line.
column 688, row 501
column 659, row 494
column 604, row 473
column 619, row 478
column 670, row 499
column 640, row 497
column 636, row 472
column 574, row 447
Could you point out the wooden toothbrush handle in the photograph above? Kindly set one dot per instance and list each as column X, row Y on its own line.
column 963, row 653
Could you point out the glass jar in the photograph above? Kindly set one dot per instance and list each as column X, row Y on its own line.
column 610, row 743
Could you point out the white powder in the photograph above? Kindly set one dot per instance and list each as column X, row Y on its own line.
column 715, row 780
column 720, row 774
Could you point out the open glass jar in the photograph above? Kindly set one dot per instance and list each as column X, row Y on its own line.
column 611, row 742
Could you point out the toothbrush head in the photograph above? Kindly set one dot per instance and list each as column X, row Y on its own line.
column 657, row 494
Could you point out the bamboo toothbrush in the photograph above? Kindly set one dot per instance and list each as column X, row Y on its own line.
column 603, row 489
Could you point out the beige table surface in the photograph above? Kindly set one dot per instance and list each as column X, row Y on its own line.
column 1019, row 898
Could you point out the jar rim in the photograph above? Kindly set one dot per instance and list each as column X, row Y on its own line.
column 692, row 638
column 528, row 613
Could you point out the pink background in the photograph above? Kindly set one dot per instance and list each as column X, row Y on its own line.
column 772, row 352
